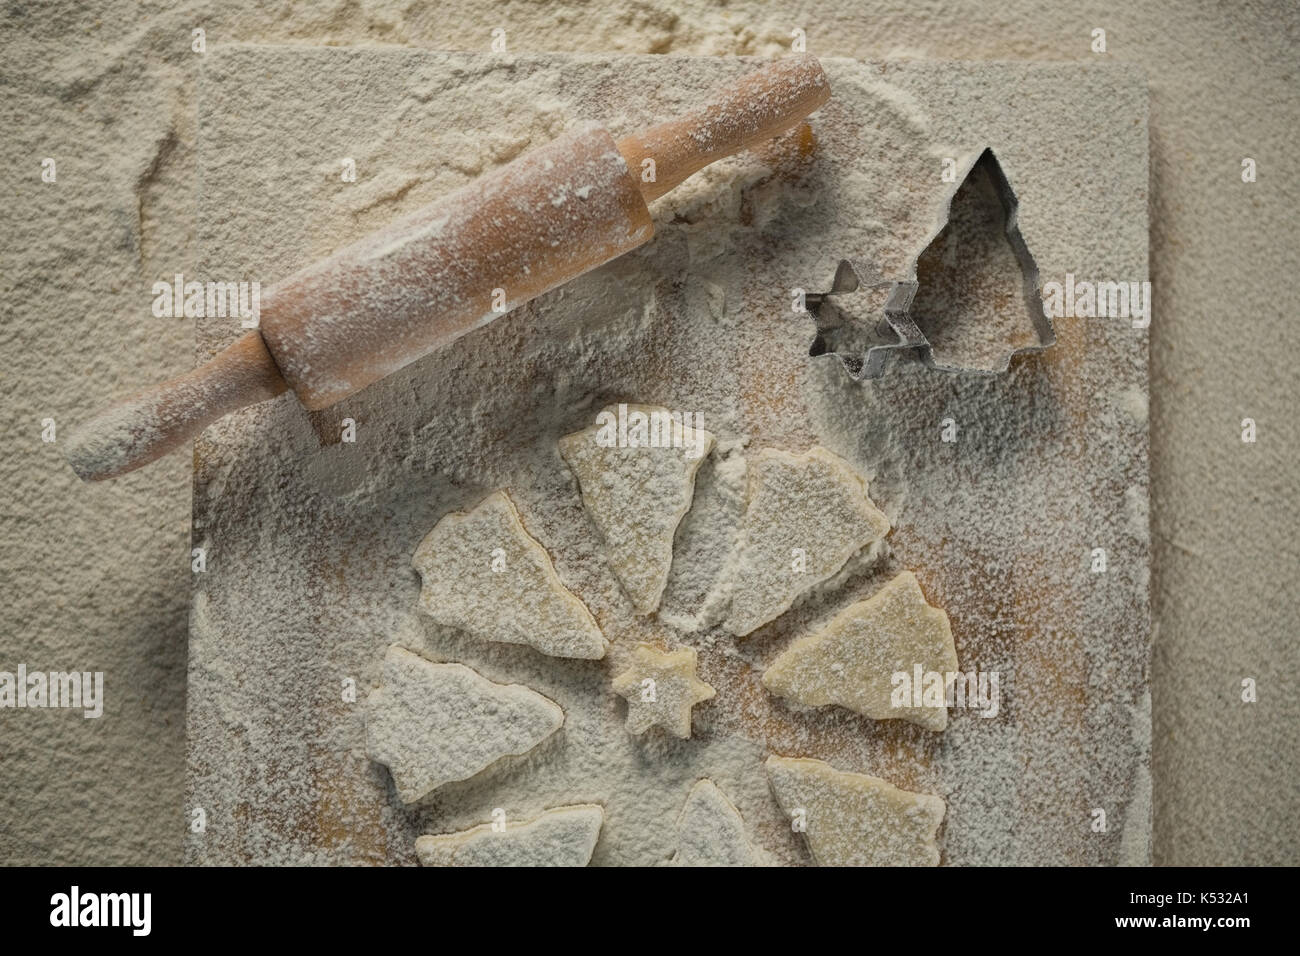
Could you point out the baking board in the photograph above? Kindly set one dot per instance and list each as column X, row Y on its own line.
column 308, row 540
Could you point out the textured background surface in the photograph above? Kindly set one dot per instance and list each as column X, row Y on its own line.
column 97, row 578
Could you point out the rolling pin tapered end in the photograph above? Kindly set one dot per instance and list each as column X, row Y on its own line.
column 147, row 425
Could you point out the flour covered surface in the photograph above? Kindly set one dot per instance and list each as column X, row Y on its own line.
column 485, row 574
column 432, row 724
column 565, row 836
column 310, row 540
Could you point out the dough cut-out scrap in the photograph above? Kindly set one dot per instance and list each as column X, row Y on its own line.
column 711, row 832
column 485, row 574
column 661, row 688
column 806, row 515
column 431, row 724
column 852, row 819
column 565, row 836
column 636, row 472
column 851, row 661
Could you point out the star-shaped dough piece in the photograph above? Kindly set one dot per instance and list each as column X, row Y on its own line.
column 431, row 723
column 851, row 661
column 806, row 515
column 565, row 836
column 852, row 819
column 661, row 688
column 637, row 493
column 711, row 832
column 485, row 574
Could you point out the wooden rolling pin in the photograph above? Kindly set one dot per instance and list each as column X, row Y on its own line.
column 428, row 278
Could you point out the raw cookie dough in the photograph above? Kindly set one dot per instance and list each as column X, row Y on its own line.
column 851, row 661
column 485, row 574
column 431, row 723
column 636, row 496
column 697, row 594
column 666, row 702
column 711, row 832
column 856, row 820
column 813, row 502
column 565, row 836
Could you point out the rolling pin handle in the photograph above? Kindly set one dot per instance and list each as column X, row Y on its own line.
column 757, row 107
column 147, row 425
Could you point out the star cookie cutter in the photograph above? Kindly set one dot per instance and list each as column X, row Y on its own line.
column 858, row 284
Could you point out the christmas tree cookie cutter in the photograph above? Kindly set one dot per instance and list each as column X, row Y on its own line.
column 858, row 285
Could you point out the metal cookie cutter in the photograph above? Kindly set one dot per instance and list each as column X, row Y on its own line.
column 858, row 286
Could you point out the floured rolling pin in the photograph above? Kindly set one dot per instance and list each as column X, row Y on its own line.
column 428, row 278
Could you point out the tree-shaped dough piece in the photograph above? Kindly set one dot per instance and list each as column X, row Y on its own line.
column 851, row 819
column 806, row 515
column 565, row 836
column 711, row 832
column 636, row 470
column 431, row 724
column 484, row 573
column 852, row 661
